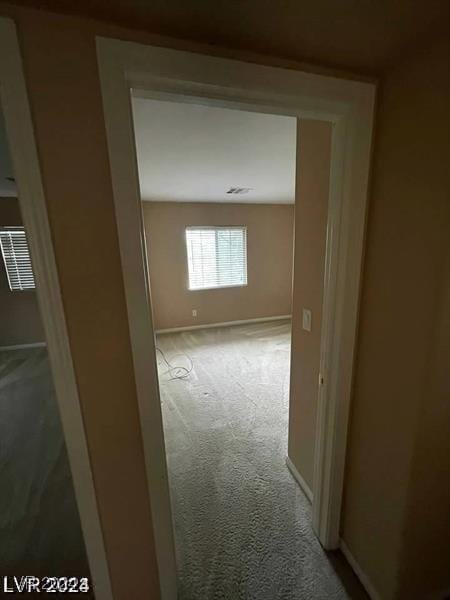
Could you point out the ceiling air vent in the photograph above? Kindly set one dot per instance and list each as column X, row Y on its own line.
column 239, row 190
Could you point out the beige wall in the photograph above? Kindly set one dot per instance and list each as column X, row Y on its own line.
column 312, row 188
column 21, row 320
column 396, row 513
column 425, row 553
column 269, row 262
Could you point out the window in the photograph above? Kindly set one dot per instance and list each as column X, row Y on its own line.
column 217, row 257
column 16, row 256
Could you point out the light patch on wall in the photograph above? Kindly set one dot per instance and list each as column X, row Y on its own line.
column 7, row 182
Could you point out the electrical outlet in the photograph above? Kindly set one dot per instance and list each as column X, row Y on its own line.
column 194, row 312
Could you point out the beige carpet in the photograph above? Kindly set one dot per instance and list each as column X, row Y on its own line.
column 242, row 525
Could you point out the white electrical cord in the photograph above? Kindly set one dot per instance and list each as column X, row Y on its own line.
column 175, row 372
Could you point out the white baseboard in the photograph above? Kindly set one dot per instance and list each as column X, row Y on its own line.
column 365, row 581
column 23, row 346
column 299, row 479
column 224, row 324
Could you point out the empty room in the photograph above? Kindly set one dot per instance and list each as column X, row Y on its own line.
column 218, row 190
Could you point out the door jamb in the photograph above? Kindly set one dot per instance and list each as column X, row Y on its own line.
column 22, row 145
column 349, row 105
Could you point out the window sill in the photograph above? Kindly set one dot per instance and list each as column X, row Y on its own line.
column 217, row 287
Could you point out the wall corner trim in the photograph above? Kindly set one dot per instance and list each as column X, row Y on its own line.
column 299, row 479
column 365, row 581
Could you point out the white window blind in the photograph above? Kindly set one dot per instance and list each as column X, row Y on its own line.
column 217, row 257
column 16, row 256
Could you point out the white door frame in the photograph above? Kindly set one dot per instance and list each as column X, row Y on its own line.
column 349, row 105
column 22, row 146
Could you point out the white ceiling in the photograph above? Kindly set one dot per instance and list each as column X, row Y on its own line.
column 194, row 153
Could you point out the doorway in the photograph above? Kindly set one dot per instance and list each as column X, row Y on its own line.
column 220, row 262
column 167, row 74
column 40, row 405
column 40, row 527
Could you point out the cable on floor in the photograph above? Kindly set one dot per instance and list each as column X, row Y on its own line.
column 175, row 372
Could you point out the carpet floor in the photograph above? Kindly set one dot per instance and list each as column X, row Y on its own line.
column 242, row 525
column 40, row 530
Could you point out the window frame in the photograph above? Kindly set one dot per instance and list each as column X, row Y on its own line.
column 215, row 228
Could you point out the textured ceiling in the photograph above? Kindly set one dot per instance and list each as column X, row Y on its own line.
column 360, row 35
